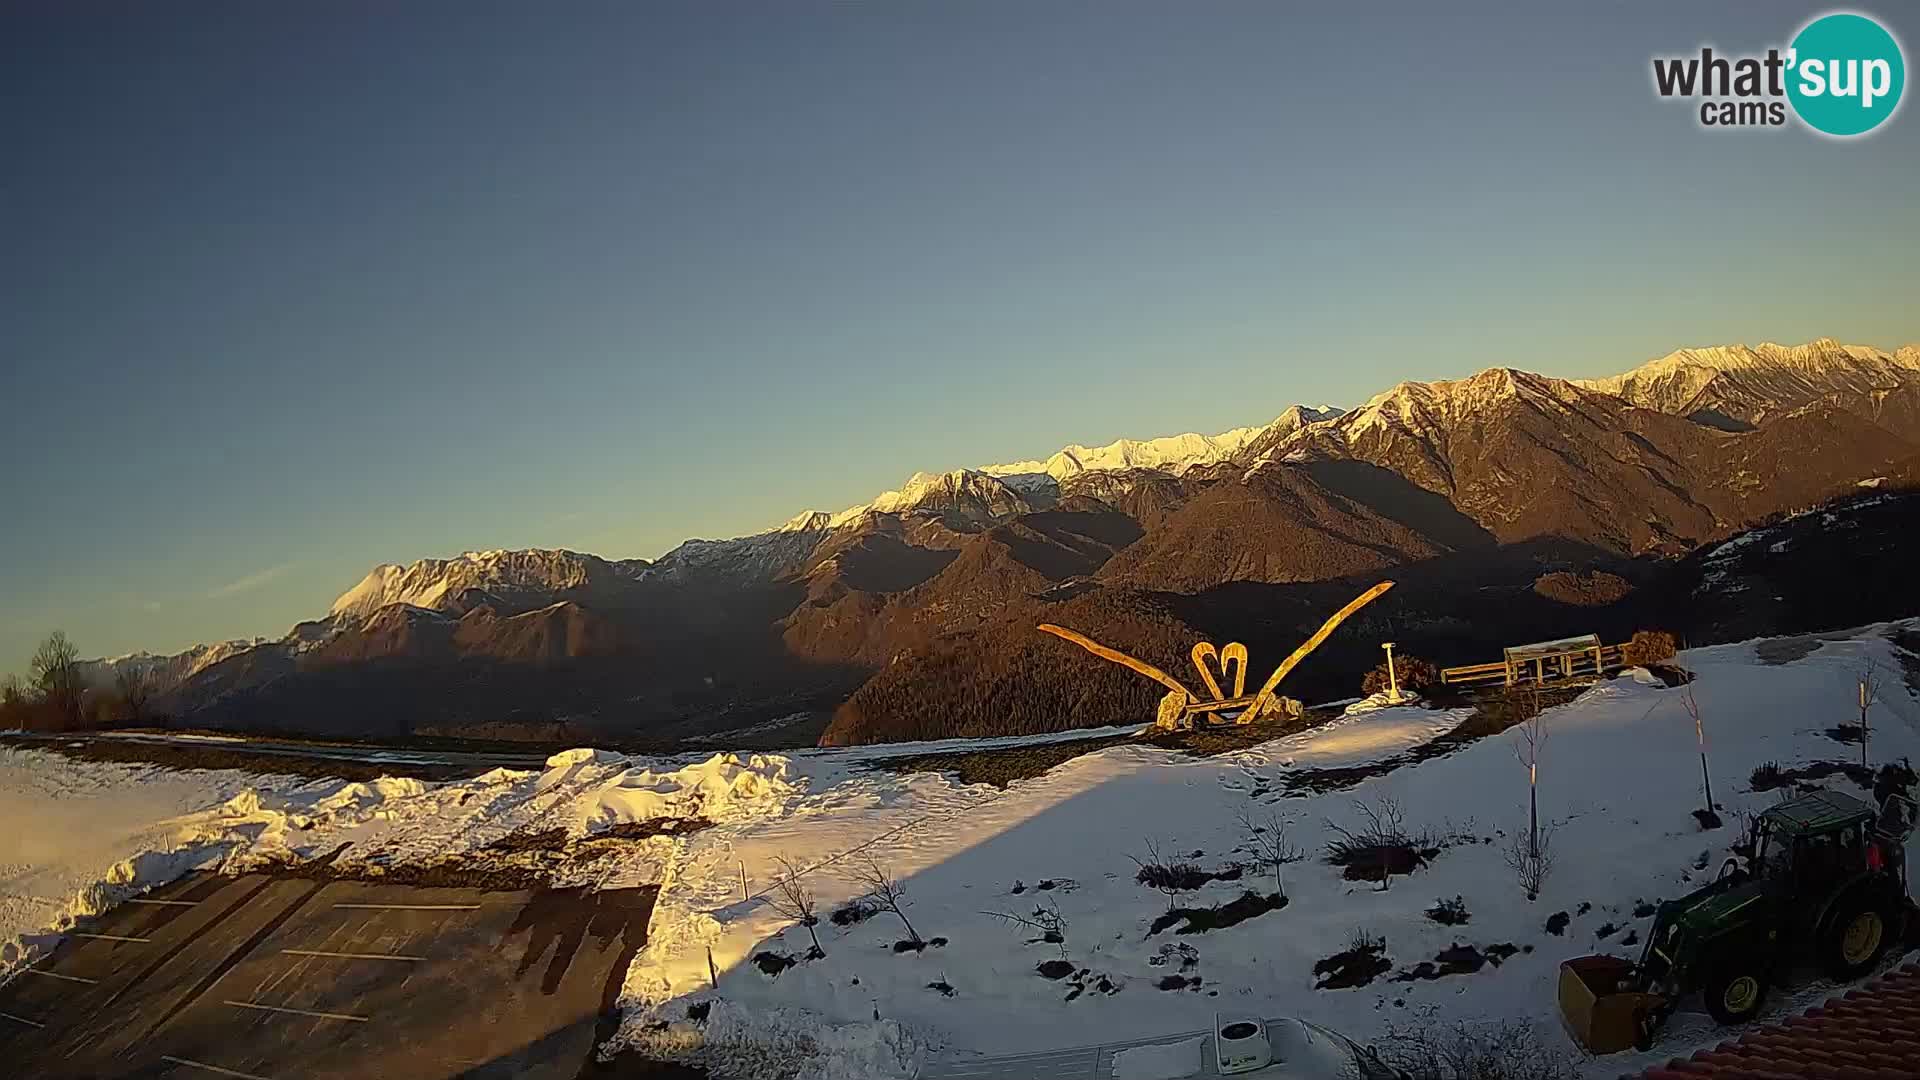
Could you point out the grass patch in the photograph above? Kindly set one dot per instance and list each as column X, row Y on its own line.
column 855, row 911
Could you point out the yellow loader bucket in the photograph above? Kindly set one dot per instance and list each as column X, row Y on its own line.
column 1603, row 1011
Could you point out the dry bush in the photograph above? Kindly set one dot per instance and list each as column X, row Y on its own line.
column 1412, row 672
column 1648, row 647
column 1481, row 1050
column 1169, row 876
column 1531, row 860
column 1381, row 846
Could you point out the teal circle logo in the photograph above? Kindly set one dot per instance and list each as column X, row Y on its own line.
column 1845, row 74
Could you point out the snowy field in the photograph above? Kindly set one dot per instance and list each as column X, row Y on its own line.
column 1619, row 778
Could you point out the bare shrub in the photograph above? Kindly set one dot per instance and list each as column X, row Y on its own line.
column 134, row 687
column 791, row 898
column 1531, row 860
column 1168, row 876
column 1648, row 647
column 1045, row 921
column 1474, row 1050
column 1381, row 846
column 885, row 891
column 1411, row 672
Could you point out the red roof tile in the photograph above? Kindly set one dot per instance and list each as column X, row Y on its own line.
column 1870, row 1033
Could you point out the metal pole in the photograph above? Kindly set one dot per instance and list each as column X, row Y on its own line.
column 1393, row 680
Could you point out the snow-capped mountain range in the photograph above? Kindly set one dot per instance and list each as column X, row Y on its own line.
column 1429, row 433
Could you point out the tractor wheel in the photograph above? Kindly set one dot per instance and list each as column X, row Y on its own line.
column 1859, row 932
column 1734, row 990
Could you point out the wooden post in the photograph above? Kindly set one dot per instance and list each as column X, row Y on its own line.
column 713, row 974
column 743, row 881
column 1866, row 699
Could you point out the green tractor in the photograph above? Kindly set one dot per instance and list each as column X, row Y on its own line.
column 1825, row 883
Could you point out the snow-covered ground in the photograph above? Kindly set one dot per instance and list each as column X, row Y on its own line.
column 1619, row 777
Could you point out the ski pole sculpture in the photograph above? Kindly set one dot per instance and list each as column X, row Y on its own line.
column 1180, row 706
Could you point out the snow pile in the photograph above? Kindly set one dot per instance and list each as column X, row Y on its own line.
column 91, row 834
column 724, row 787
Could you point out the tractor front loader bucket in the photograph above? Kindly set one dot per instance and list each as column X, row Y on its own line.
column 1604, row 1009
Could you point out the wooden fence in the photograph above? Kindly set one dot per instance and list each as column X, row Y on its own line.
column 1581, row 665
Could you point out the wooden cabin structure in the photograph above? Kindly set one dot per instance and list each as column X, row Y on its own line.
column 1561, row 662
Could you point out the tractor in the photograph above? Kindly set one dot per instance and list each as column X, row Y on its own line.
column 1824, row 882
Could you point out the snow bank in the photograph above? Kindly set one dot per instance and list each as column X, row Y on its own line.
column 92, row 834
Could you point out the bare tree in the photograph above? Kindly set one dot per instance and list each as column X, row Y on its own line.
column 791, row 899
column 1527, row 747
column 13, row 692
column 1869, row 693
column 55, row 673
column 885, row 891
column 135, row 689
column 1268, row 841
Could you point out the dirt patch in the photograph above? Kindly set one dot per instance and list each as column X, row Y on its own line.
column 177, row 757
column 771, row 964
column 1054, row 969
column 1557, row 923
column 1457, row 959
column 1249, row 905
column 943, row 988
column 854, row 912
column 1846, row 734
column 1002, row 766
column 1786, row 650
column 1355, row 966
column 1772, row 775
column 481, row 871
column 542, row 840
column 644, row 830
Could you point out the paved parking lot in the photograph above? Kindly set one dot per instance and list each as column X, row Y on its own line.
column 270, row 978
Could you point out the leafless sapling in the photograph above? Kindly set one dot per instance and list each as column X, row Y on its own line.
column 1692, row 706
column 1869, row 693
column 1527, row 748
column 886, row 891
column 791, row 899
column 1268, row 842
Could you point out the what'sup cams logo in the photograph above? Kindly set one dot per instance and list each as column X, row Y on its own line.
column 1842, row 75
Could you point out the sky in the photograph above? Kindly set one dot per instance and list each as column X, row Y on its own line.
column 289, row 290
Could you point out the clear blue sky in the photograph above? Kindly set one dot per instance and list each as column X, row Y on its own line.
column 287, row 290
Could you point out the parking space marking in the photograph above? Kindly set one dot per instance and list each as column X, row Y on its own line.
column 296, row 1012
column 68, row 978
column 192, row 1064
column 112, row 937
column 407, row 907
column 21, row 1020
column 351, row 955
column 164, row 903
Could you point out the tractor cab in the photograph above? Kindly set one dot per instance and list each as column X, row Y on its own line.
column 1812, row 838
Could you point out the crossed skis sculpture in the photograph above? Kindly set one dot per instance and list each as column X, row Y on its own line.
column 1181, row 706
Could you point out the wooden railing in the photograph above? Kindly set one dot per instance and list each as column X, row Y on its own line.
column 1573, row 666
